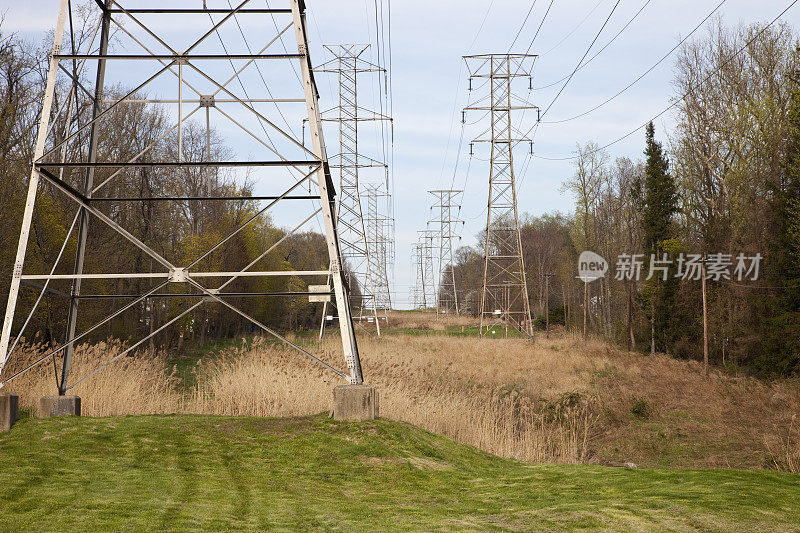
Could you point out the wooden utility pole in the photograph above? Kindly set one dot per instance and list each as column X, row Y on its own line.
column 705, row 318
column 630, row 317
column 585, row 309
column 547, row 305
column 652, row 327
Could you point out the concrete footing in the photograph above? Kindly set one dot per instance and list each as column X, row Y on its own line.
column 355, row 402
column 59, row 406
column 9, row 409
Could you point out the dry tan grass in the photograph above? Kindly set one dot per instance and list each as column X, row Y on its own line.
column 417, row 387
column 784, row 449
column 557, row 400
column 429, row 320
column 265, row 380
column 459, row 388
column 132, row 385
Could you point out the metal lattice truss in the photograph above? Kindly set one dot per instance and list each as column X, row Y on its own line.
column 348, row 65
column 380, row 242
column 148, row 57
column 425, row 251
column 417, row 292
column 447, row 295
column 505, row 296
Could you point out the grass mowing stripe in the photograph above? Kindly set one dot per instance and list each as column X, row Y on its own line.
column 218, row 473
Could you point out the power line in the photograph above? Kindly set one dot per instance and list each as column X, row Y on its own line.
column 535, row 35
column 567, row 36
column 645, row 73
column 522, row 26
column 283, row 44
column 380, row 51
column 480, row 28
column 710, row 74
column 239, row 79
column 582, row 58
column 258, row 68
column 391, row 114
column 527, row 158
column 266, row 86
column 625, row 27
column 455, row 98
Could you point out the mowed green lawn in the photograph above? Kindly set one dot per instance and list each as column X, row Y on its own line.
column 217, row 473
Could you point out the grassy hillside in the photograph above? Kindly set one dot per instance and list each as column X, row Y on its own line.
column 558, row 399
column 217, row 473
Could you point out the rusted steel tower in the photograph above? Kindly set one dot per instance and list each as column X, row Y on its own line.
column 505, row 296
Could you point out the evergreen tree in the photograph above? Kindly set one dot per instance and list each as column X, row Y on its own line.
column 780, row 351
column 661, row 195
column 660, row 205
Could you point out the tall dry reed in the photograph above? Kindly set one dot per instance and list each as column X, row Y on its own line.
column 141, row 384
column 417, row 385
column 263, row 380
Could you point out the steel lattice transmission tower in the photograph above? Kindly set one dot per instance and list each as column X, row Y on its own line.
column 427, row 249
column 194, row 77
column 380, row 244
column 447, row 295
column 505, row 294
column 418, row 289
column 348, row 65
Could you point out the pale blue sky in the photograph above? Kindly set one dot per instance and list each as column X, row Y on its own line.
column 429, row 86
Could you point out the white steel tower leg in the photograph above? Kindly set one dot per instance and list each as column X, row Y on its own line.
column 33, row 186
column 326, row 192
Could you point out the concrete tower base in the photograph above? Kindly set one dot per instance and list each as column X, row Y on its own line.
column 355, row 402
column 59, row 406
column 9, row 409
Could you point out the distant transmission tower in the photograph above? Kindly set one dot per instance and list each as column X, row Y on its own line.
column 428, row 250
column 447, row 295
column 418, row 289
column 505, row 294
column 380, row 244
column 348, row 65
column 195, row 76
